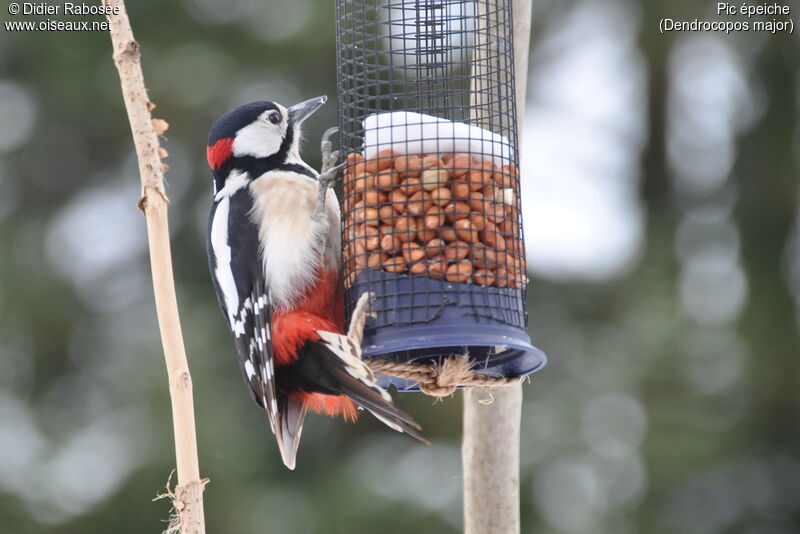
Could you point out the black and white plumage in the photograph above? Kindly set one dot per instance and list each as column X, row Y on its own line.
column 274, row 252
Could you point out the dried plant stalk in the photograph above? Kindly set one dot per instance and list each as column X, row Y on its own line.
column 188, row 494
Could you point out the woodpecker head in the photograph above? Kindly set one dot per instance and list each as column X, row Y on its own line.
column 257, row 137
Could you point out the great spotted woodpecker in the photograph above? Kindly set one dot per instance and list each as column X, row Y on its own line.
column 274, row 250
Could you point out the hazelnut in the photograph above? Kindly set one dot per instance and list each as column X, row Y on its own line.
column 448, row 234
column 434, row 247
column 441, row 196
column 386, row 179
column 460, row 190
column 462, row 163
column 431, row 161
column 390, row 243
column 409, row 186
column 409, row 165
column 412, row 252
column 437, row 267
column 456, row 210
column 380, row 161
column 372, row 198
column 419, row 203
column 434, row 178
column 434, row 218
column 456, row 251
column 483, row 277
column 466, row 230
column 385, row 212
column 398, row 201
column 376, row 260
column 406, row 228
column 459, row 272
column 501, row 278
column 395, row 264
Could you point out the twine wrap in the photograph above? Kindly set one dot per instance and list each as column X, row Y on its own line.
column 439, row 379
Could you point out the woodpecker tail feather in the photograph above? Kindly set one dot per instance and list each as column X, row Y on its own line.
column 329, row 377
column 355, row 380
column 366, row 395
column 291, row 414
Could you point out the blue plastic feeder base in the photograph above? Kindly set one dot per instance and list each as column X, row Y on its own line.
column 420, row 320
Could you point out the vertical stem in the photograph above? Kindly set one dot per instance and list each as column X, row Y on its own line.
column 490, row 449
column 187, row 501
column 490, row 456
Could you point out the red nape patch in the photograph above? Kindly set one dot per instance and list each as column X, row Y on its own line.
column 219, row 152
column 331, row 405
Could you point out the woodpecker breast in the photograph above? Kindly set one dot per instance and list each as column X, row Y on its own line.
column 295, row 245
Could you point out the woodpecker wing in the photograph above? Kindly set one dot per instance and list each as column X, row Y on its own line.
column 333, row 366
column 285, row 414
column 258, row 365
column 233, row 250
column 357, row 381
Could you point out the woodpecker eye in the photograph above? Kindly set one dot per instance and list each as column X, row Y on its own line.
column 274, row 117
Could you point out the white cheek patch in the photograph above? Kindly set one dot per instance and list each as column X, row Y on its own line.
column 259, row 139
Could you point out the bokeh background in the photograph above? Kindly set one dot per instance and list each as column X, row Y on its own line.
column 663, row 233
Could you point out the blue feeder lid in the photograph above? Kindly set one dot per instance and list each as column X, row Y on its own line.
column 419, row 319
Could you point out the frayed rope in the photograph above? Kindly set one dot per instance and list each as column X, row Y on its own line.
column 439, row 379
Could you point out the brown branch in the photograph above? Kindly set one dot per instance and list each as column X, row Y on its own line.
column 188, row 500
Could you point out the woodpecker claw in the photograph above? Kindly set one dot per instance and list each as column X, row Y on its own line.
column 325, row 180
column 364, row 309
column 370, row 306
column 333, row 157
column 328, row 157
column 329, row 170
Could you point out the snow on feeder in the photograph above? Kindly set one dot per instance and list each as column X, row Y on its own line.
column 431, row 215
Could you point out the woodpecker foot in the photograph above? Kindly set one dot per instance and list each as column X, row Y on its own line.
column 329, row 171
column 364, row 308
column 329, row 156
column 326, row 180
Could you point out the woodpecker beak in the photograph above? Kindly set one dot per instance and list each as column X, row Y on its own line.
column 300, row 112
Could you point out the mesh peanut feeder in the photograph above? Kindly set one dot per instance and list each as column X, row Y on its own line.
column 431, row 215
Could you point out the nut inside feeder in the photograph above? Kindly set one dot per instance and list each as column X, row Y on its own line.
column 412, row 209
column 431, row 215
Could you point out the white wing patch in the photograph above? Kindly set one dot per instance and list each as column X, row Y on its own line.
column 238, row 319
column 248, row 368
column 222, row 257
column 262, row 336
